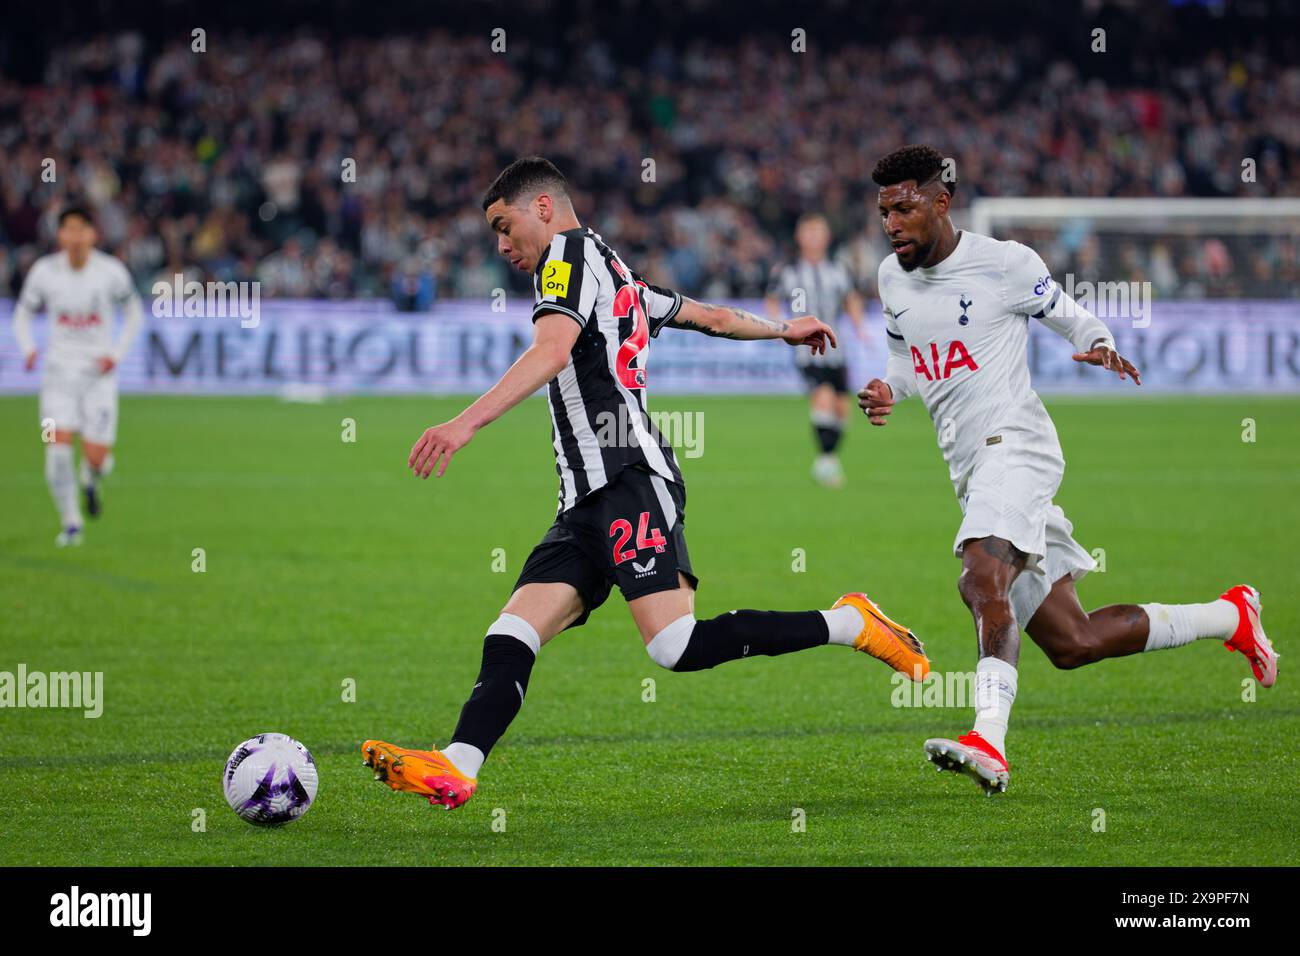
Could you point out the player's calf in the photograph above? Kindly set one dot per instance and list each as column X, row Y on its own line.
column 687, row 644
column 449, row 777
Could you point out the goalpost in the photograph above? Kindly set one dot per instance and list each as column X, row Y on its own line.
column 1185, row 248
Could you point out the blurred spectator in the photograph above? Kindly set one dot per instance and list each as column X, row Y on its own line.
column 353, row 166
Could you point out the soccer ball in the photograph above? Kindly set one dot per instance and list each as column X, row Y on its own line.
column 270, row 780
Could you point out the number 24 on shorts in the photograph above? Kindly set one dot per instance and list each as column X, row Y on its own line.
column 621, row 530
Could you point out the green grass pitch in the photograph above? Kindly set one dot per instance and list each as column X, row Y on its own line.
column 326, row 561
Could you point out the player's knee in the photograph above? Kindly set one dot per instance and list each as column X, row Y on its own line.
column 668, row 647
column 978, row 588
column 95, row 454
column 512, row 625
column 1071, row 649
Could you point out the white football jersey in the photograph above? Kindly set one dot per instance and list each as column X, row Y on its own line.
column 957, row 335
column 79, row 304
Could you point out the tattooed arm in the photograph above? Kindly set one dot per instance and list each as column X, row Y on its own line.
column 730, row 322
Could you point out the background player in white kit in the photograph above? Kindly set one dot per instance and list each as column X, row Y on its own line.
column 824, row 288
column 957, row 308
column 78, row 288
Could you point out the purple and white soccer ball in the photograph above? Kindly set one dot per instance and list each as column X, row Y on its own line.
column 270, row 779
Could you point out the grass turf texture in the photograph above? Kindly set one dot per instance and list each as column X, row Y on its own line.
column 327, row 561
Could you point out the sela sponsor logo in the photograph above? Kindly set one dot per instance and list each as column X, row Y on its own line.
column 74, row 908
column 208, row 300
column 75, row 690
column 958, row 357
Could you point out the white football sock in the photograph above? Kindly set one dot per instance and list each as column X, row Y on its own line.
column 465, row 757
column 1173, row 625
column 59, row 475
column 995, row 692
column 845, row 624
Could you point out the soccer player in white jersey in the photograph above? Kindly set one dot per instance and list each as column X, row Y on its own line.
column 78, row 288
column 957, row 309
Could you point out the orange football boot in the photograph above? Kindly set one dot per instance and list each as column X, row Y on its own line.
column 426, row 772
column 887, row 640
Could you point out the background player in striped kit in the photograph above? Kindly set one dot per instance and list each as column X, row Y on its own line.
column 622, row 499
column 815, row 285
column 78, row 287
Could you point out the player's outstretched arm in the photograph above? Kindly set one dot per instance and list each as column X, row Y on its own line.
column 1056, row 309
column 731, row 322
column 554, row 334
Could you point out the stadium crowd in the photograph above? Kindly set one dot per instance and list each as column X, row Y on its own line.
column 234, row 164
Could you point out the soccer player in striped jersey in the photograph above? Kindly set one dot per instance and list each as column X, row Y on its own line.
column 814, row 284
column 79, row 288
column 957, row 311
column 622, row 499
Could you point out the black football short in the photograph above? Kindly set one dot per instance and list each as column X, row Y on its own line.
column 630, row 533
column 836, row 376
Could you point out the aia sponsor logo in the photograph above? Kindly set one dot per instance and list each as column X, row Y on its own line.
column 79, row 320
column 936, row 370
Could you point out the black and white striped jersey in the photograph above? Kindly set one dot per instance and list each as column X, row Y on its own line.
column 599, row 418
column 817, row 288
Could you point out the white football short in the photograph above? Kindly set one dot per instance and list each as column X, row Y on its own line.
column 85, row 403
column 1008, row 495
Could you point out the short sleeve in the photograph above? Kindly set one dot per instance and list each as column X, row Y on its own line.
column 32, row 297
column 563, row 283
column 1029, row 287
column 661, row 305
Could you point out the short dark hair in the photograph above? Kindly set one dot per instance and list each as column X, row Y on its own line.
column 922, row 163
column 528, row 174
column 75, row 210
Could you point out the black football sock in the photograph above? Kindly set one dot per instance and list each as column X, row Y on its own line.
column 827, row 429
column 738, row 634
column 828, row 438
column 499, row 693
